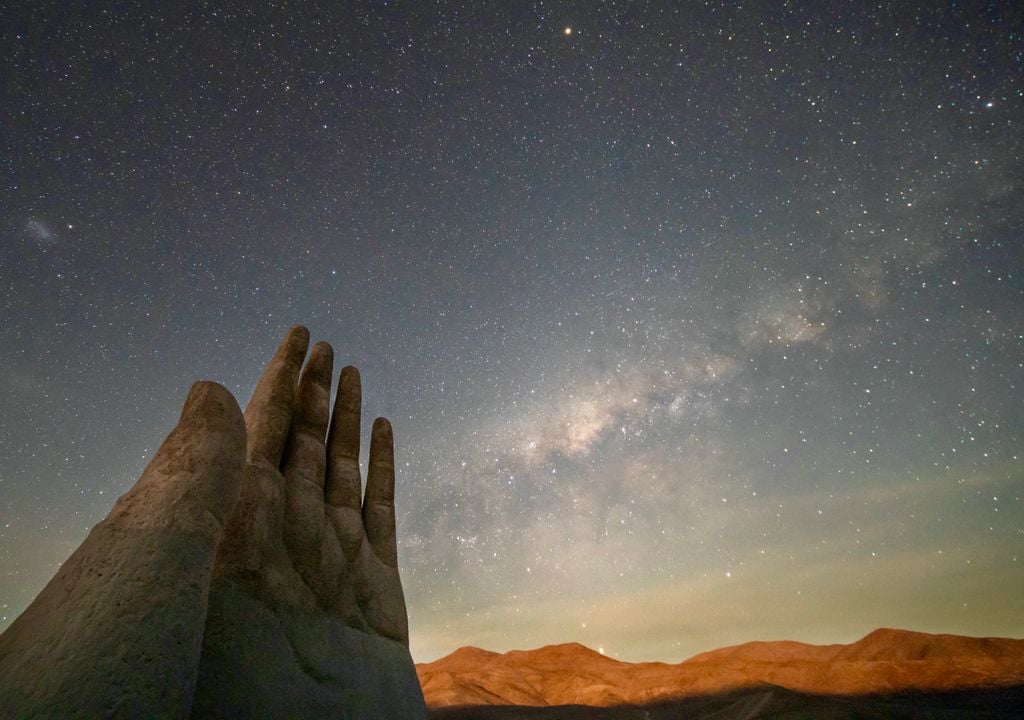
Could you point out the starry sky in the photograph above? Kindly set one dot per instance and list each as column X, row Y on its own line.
column 698, row 322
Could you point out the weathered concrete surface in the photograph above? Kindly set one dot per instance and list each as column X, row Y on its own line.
column 307, row 615
column 261, row 521
column 263, row 663
column 117, row 632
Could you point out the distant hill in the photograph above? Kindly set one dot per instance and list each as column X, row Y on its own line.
column 885, row 661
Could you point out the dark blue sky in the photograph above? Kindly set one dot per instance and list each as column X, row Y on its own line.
column 699, row 324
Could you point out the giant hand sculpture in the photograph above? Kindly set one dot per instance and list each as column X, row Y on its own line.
column 243, row 576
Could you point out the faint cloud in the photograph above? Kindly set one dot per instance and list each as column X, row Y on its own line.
column 40, row 232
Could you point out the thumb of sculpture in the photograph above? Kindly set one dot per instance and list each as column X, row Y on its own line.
column 117, row 632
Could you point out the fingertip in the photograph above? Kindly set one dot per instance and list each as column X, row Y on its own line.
column 195, row 475
column 380, row 480
column 209, row 400
column 295, row 343
column 382, row 427
column 321, row 362
column 349, row 398
column 382, row 445
column 350, row 376
column 322, row 346
column 298, row 333
column 268, row 416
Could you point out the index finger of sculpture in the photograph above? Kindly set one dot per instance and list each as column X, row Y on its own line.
column 268, row 416
column 379, row 503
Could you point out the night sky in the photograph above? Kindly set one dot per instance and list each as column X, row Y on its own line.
column 698, row 323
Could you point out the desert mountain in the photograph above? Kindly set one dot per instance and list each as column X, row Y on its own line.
column 884, row 661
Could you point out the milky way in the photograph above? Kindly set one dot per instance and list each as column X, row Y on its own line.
column 698, row 324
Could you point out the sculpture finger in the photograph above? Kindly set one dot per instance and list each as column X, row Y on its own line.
column 305, row 462
column 268, row 416
column 344, row 486
column 128, row 608
column 255, row 530
column 195, row 475
column 379, row 503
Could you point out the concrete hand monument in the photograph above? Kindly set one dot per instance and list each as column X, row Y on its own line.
column 245, row 575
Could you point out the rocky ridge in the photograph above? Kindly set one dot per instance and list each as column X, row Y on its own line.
column 884, row 661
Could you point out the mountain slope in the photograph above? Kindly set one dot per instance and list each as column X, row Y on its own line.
column 885, row 660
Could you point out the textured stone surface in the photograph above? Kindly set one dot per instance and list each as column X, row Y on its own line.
column 259, row 663
column 245, row 575
column 307, row 615
column 118, row 631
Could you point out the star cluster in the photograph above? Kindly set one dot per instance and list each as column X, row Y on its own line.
column 698, row 323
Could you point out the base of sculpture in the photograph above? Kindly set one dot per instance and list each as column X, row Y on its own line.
column 259, row 664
